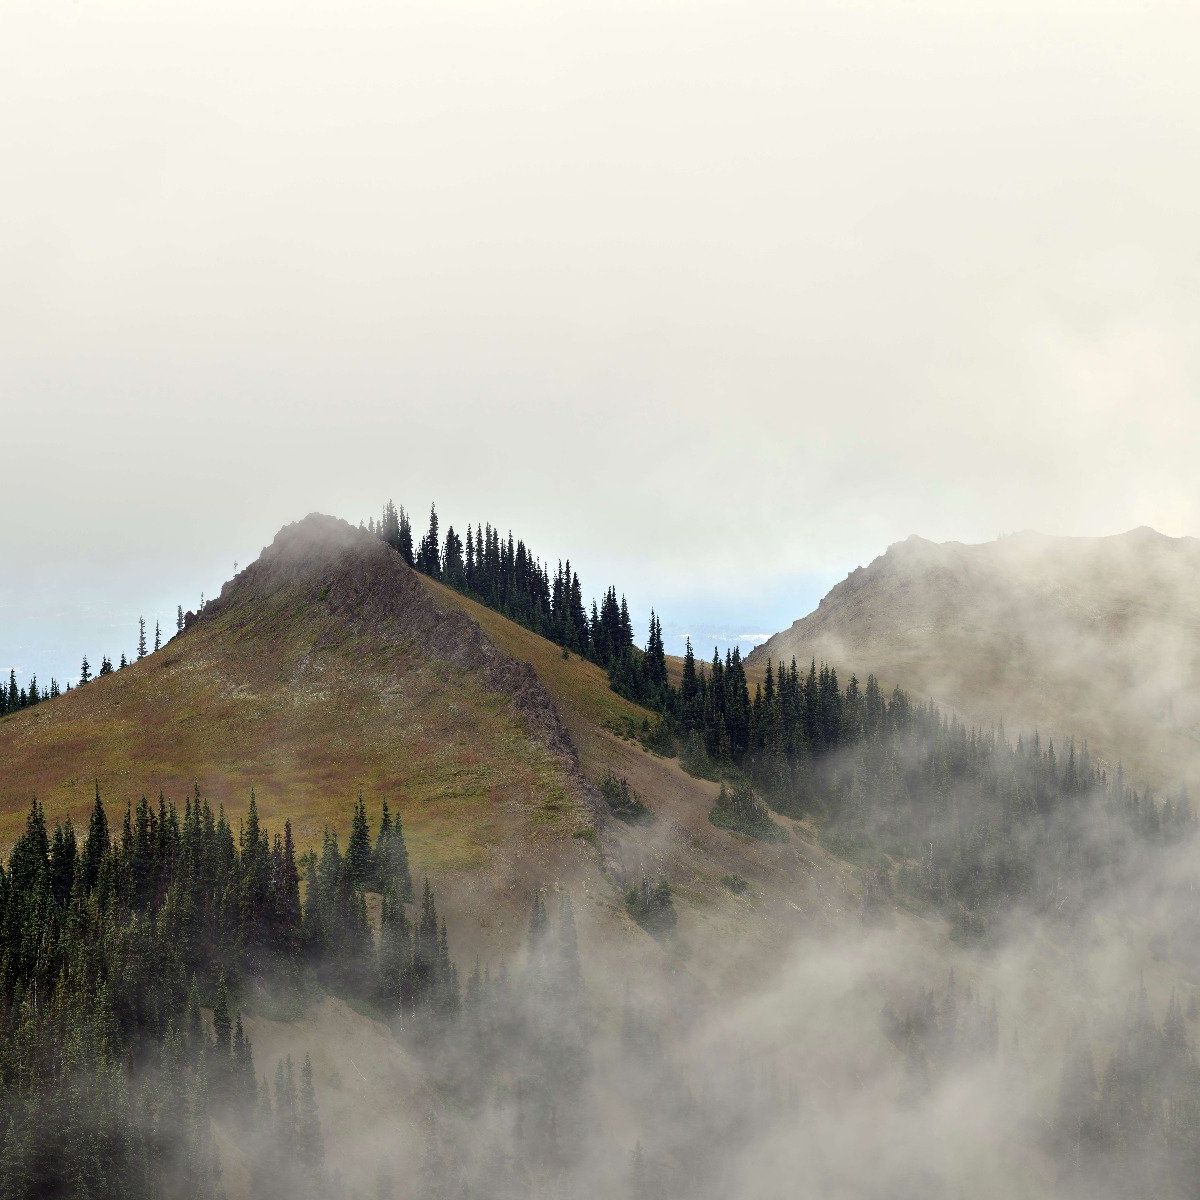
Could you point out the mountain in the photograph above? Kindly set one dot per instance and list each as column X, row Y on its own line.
column 834, row 974
column 328, row 667
column 1098, row 638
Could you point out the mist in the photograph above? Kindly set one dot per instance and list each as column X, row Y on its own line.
column 719, row 302
column 265, row 260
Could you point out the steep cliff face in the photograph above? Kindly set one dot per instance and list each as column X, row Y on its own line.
column 1095, row 637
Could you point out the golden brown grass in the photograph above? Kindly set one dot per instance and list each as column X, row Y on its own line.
column 232, row 706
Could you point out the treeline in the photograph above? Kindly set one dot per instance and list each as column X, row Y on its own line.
column 714, row 704
column 502, row 573
column 109, row 1074
column 1133, row 1128
column 972, row 823
column 517, row 1068
column 15, row 697
column 957, row 817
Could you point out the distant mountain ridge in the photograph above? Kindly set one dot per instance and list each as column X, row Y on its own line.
column 1098, row 637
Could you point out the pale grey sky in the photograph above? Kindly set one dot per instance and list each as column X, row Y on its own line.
column 719, row 298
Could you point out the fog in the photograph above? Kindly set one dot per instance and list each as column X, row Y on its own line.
column 724, row 280
column 899, row 1053
column 719, row 300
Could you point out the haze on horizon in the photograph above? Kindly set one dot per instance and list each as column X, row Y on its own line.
column 720, row 300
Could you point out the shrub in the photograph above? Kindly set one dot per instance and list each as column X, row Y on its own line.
column 624, row 802
column 651, row 906
column 743, row 812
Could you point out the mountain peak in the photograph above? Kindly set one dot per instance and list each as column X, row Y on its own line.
column 1030, row 627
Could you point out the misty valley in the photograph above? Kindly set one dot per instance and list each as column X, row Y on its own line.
column 398, row 870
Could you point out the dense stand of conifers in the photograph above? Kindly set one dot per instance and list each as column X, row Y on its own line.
column 121, row 957
column 960, row 817
column 109, row 946
column 1124, row 1119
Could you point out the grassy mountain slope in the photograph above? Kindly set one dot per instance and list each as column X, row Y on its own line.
column 1094, row 637
column 328, row 666
column 790, row 884
column 324, row 668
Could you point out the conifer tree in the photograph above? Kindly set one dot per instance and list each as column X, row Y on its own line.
column 358, row 848
column 96, row 845
column 391, row 858
column 141, row 642
column 309, row 1146
column 429, row 553
column 222, row 1057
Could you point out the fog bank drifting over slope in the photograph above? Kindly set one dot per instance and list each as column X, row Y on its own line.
column 1097, row 638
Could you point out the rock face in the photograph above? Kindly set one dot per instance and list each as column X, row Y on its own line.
column 1098, row 638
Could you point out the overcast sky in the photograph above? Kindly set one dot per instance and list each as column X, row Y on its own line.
column 720, row 299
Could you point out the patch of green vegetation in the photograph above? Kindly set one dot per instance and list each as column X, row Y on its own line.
column 736, row 884
column 276, row 1003
column 851, row 844
column 624, row 726
column 741, row 811
column 695, row 760
column 650, row 905
column 625, row 803
column 587, row 834
column 660, row 737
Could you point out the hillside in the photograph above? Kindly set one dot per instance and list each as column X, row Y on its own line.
column 323, row 669
column 797, row 963
column 329, row 667
column 1094, row 637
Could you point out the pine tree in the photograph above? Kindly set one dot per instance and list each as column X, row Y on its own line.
column 141, row 643
column 179, row 619
column 157, row 637
column 245, row 1086
column 391, row 858
column 429, row 553
column 309, row 1146
column 222, row 1041
column 358, row 848
column 85, row 672
column 96, row 846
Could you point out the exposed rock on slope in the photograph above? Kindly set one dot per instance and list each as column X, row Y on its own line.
column 1095, row 637
column 324, row 669
column 366, row 590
